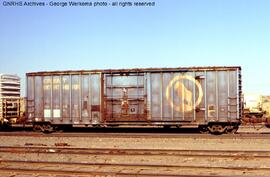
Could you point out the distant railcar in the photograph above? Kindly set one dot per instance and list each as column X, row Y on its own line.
column 206, row 97
column 10, row 108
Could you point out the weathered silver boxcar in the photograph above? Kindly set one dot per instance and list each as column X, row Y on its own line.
column 207, row 97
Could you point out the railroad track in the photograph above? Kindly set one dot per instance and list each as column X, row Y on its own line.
column 136, row 152
column 244, row 135
column 132, row 162
column 37, row 154
column 106, row 169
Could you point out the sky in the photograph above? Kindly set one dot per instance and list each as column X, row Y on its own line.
column 173, row 33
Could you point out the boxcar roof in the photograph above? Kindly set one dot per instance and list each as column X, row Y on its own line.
column 135, row 70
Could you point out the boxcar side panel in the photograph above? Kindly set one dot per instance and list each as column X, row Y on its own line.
column 194, row 96
column 64, row 99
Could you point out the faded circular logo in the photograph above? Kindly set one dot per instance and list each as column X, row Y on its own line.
column 186, row 103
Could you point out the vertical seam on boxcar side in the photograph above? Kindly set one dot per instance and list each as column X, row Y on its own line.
column 194, row 97
column 70, row 98
column 101, row 101
column 217, row 95
column 228, row 95
column 61, row 97
column 51, row 98
column 172, row 96
column 43, row 103
column 34, row 96
column 150, row 96
column 237, row 92
column 145, row 95
column 205, row 98
column 80, row 97
column 27, row 96
column 183, row 97
column 161, row 95
column 89, row 98
column 138, row 102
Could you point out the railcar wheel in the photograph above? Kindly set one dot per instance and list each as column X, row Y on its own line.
column 45, row 128
column 36, row 128
column 216, row 129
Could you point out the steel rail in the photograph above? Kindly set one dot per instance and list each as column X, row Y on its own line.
column 139, row 152
column 88, row 173
column 139, row 135
column 154, row 167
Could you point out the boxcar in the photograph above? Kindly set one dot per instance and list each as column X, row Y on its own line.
column 206, row 97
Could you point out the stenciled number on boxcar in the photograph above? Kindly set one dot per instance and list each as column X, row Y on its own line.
column 183, row 93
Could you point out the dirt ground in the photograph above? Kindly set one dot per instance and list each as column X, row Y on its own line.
column 250, row 165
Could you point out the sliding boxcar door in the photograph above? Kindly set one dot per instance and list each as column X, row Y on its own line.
column 125, row 99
